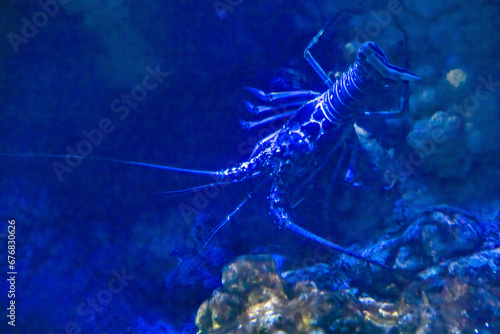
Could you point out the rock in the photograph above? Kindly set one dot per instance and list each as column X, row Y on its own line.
column 437, row 235
column 255, row 299
column 439, row 145
column 455, row 289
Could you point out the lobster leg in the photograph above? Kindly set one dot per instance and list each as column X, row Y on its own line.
column 349, row 174
column 248, row 125
column 283, row 219
column 310, row 59
column 329, row 190
column 307, row 54
column 303, row 95
column 403, row 103
column 341, row 141
column 281, row 110
column 257, row 110
column 263, row 144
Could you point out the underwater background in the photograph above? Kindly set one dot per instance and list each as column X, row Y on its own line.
column 98, row 250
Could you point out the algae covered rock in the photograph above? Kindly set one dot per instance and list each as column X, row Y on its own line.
column 454, row 257
column 445, row 281
column 255, row 299
column 438, row 234
column 461, row 296
column 439, row 145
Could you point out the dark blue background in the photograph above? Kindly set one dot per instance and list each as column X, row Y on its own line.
column 103, row 216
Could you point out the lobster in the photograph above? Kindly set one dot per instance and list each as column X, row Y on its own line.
column 317, row 123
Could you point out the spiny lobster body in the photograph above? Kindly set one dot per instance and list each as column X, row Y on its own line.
column 318, row 126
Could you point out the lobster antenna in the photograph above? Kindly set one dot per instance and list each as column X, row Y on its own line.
column 126, row 162
column 222, row 223
column 186, row 191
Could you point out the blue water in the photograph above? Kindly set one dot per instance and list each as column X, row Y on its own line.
column 162, row 83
